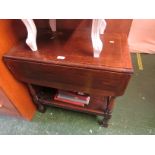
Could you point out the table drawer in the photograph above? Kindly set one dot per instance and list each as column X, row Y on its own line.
column 69, row 77
column 6, row 106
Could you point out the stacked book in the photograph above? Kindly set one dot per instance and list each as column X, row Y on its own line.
column 75, row 98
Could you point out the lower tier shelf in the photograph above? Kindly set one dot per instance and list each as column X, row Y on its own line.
column 45, row 96
column 98, row 105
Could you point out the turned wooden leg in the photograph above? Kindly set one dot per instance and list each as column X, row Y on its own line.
column 107, row 111
column 40, row 107
column 105, row 121
column 98, row 27
column 32, row 34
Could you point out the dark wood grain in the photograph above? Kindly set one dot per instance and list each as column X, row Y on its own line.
column 108, row 74
column 118, row 26
column 102, row 78
column 77, row 49
column 70, row 78
column 113, row 26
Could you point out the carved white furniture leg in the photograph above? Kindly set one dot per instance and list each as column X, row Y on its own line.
column 52, row 23
column 32, row 34
column 98, row 27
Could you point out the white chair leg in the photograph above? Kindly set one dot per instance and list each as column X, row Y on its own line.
column 102, row 26
column 32, row 34
column 98, row 27
column 52, row 23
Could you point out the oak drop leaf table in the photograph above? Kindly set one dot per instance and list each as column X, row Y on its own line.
column 44, row 71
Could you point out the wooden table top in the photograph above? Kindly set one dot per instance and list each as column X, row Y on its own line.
column 77, row 49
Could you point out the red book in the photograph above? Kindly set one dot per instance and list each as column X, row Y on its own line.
column 73, row 95
column 69, row 101
column 75, row 98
